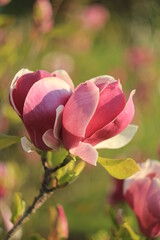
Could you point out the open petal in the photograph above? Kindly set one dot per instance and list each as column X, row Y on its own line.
column 40, row 106
column 58, row 122
column 119, row 140
column 79, row 110
column 111, row 103
column 50, row 140
column 62, row 74
column 27, row 145
column 21, row 86
column 102, row 81
column 116, row 126
column 86, row 152
column 13, row 86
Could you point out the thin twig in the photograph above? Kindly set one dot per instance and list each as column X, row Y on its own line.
column 44, row 193
column 37, row 203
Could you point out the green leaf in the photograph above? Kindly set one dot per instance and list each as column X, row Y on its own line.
column 6, row 140
column 68, row 177
column 70, row 172
column 79, row 168
column 119, row 168
column 18, row 207
column 55, row 158
column 131, row 232
column 65, row 171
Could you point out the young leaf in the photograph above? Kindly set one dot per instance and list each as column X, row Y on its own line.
column 71, row 173
column 18, row 207
column 119, row 168
column 6, row 140
column 68, row 177
column 55, row 158
column 131, row 232
column 79, row 168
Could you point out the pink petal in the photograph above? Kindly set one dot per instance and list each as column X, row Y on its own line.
column 62, row 74
column 50, row 140
column 58, row 122
column 69, row 140
column 63, row 223
column 6, row 214
column 102, row 81
column 27, row 145
column 136, row 196
column 120, row 140
column 21, row 87
column 116, row 126
column 78, row 111
column 86, row 152
column 111, row 103
column 153, row 198
column 40, row 106
column 13, row 86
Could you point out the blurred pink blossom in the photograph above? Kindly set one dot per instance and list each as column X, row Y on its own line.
column 4, row 2
column 139, row 56
column 94, row 16
column 116, row 195
column 3, row 189
column 43, row 15
column 6, row 214
column 143, row 91
column 4, row 124
column 62, row 223
column 142, row 192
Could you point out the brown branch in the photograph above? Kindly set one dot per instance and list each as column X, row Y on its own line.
column 44, row 193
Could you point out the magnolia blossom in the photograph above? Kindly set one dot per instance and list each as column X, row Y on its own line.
column 3, row 189
column 139, row 56
column 94, row 16
column 39, row 98
column 62, row 224
column 95, row 113
column 142, row 192
column 4, row 2
column 116, row 195
column 43, row 15
column 60, row 229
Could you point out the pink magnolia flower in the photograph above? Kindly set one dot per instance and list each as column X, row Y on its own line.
column 62, row 225
column 142, row 192
column 43, row 15
column 116, row 195
column 3, row 189
column 95, row 113
column 39, row 98
column 138, row 56
column 59, row 221
column 4, row 2
column 6, row 214
column 94, row 16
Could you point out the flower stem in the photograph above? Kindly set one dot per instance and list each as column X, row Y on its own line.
column 44, row 193
column 37, row 203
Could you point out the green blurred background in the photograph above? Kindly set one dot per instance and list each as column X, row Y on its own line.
column 126, row 45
